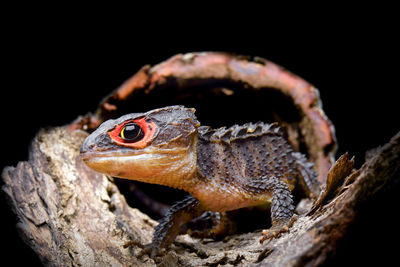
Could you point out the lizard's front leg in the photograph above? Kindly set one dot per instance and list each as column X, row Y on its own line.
column 169, row 226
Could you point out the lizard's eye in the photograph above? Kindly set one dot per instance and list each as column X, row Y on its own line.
column 131, row 132
column 137, row 133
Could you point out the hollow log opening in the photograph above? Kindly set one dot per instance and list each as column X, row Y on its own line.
column 225, row 90
column 218, row 103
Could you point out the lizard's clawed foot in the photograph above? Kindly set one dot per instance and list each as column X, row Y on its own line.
column 151, row 250
column 273, row 232
column 277, row 229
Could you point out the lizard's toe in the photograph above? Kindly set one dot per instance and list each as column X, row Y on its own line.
column 277, row 229
column 150, row 249
column 273, row 233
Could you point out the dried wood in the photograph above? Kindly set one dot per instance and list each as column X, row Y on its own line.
column 71, row 216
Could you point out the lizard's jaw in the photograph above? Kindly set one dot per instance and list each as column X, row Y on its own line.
column 169, row 167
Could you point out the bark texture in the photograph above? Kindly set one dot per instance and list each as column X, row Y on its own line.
column 72, row 216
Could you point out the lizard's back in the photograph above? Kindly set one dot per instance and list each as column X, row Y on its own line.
column 245, row 158
column 247, row 151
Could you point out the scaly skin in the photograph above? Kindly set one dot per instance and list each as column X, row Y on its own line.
column 223, row 169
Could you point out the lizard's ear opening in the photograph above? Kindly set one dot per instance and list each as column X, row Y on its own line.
column 136, row 133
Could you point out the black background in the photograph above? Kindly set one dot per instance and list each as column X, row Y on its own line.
column 53, row 73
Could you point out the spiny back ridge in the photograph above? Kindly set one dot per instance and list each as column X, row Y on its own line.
column 235, row 132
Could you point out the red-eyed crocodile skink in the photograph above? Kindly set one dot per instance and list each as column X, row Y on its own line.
column 222, row 169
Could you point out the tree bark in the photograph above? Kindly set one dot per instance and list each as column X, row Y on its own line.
column 71, row 216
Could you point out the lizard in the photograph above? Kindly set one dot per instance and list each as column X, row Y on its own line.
column 222, row 169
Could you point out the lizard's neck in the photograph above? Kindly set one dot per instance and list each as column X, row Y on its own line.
column 182, row 170
column 179, row 173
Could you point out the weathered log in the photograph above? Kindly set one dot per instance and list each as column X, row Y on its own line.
column 70, row 215
column 73, row 216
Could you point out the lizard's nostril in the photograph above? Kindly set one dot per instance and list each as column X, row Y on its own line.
column 86, row 147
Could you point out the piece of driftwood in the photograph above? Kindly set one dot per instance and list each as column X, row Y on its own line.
column 72, row 216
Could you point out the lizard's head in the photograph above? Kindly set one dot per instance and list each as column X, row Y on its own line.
column 158, row 146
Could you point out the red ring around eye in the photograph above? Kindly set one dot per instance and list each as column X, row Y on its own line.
column 148, row 128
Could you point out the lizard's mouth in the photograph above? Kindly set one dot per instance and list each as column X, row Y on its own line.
column 119, row 165
column 146, row 165
column 93, row 154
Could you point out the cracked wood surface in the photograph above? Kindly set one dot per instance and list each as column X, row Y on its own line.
column 70, row 215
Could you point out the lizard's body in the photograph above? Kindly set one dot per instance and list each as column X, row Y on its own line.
column 223, row 169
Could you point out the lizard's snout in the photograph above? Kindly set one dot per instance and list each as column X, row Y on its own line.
column 86, row 146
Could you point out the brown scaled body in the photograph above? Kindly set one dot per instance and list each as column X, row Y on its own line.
column 223, row 169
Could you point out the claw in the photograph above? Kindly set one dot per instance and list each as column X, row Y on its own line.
column 273, row 233
column 151, row 250
column 277, row 229
column 133, row 243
